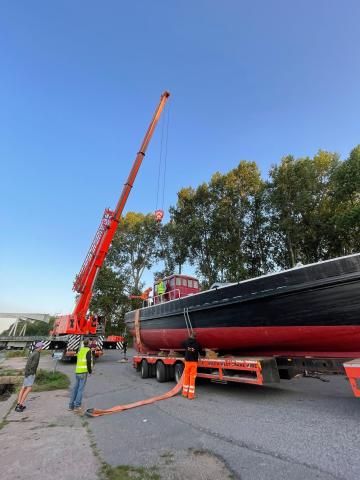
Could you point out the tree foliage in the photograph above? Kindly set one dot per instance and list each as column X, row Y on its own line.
column 33, row 327
column 133, row 250
column 346, row 205
column 220, row 225
column 300, row 207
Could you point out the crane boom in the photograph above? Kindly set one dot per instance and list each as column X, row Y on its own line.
column 77, row 322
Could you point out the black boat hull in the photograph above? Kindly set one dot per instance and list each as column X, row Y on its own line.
column 312, row 310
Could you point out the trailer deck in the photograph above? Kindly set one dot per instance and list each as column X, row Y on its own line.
column 252, row 370
column 258, row 371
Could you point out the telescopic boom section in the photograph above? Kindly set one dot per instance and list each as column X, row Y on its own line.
column 95, row 258
column 139, row 157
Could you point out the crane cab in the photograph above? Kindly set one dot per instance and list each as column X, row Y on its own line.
column 176, row 286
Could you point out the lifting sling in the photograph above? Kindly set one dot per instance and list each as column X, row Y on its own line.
column 94, row 412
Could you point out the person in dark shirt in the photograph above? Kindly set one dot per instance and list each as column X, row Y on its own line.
column 30, row 372
column 125, row 345
column 192, row 352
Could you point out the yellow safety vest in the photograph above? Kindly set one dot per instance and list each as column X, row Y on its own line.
column 81, row 363
column 161, row 288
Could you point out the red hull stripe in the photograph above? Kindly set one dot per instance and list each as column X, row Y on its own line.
column 337, row 341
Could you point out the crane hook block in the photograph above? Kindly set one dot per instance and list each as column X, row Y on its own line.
column 159, row 214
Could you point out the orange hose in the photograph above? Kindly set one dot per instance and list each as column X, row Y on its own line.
column 94, row 412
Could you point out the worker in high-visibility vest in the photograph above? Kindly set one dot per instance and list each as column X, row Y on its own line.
column 84, row 366
column 160, row 289
column 192, row 352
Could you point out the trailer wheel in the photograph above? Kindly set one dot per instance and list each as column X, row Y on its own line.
column 161, row 372
column 152, row 370
column 170, row 370
column 179, row 368
column 144, row 371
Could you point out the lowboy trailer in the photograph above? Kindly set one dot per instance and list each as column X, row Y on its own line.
column 253, row 370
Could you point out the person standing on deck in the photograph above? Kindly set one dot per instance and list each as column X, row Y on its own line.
column 192, row 352
column 160, row 290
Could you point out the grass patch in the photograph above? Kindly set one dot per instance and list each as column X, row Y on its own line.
column 126, row 472
column 46, row 380
column 16, row 353
column 93, row 445
column 9, row 372
column 24, row 353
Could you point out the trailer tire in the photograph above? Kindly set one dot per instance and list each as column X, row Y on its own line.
column 170, row 372
column 179, row 369
column 161, row 374
column 144, row 370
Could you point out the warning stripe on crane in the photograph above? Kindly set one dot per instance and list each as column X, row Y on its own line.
column 73, row 343
column 45, row 347
column 95, row 412
column 100, row 341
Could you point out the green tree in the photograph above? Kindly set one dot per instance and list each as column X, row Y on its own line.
column 109, row 298
column 34, row 327
column 300, row 207
column 173, row 248
column 240, row 221
column 221, row 225
column 346, row 205
column 133, row 250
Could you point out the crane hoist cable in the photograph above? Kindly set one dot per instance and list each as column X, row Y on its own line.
column 161, row 178
column 160, row 163
column 167, row 120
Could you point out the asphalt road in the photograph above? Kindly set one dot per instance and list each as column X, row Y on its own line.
column 301, row 429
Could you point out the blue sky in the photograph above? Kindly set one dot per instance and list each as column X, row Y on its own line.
column 79, row 82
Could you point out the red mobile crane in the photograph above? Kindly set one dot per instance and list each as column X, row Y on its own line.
column 79, row 323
